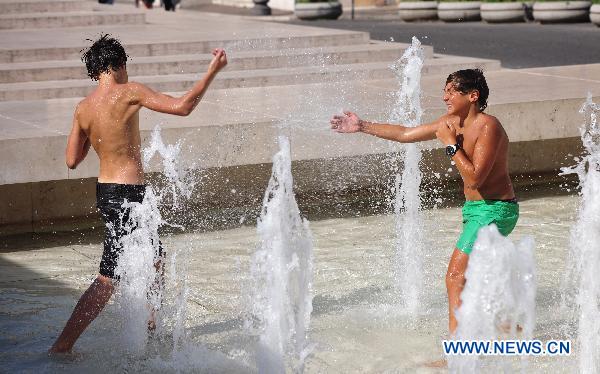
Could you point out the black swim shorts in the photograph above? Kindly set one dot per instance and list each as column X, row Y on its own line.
column 109, row 200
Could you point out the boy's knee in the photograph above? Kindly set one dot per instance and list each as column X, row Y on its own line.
column 454, row 277
column 105, row 282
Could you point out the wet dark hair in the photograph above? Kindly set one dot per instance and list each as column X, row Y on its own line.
column 104, row 55
column 468, row 80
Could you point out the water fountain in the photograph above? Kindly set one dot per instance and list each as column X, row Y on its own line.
column 140, row 291
column 282, row 270
column 498, row 300
column 410, row 238
column 137, row 294
column 581, row 289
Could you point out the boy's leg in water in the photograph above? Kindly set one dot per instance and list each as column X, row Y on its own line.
column 87, row 309
column 109, row 199
column 455, row 282
column 157, row 288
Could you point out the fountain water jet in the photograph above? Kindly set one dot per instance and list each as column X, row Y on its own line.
column 282, row 269
column 137, row 291
column 581, row 289
column 499, row 295
column 410, row 238
column 140, row 288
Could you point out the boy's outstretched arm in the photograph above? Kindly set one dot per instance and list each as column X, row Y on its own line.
column 350, row 122
column 78, row 144
column 144, row 96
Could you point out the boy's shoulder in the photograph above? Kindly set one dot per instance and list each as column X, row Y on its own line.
column 488, row 119
column 81, row 106
column 132, row 91
column 132, row 86
column 491, row 126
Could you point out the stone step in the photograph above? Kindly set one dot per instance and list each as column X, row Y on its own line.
column 185, row 64
column 239, row 79
column 138, row 49
column 42, row 6
column 70, row 19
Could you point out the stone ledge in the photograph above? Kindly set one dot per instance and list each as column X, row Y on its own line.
column 231, row 196
column 41, row 158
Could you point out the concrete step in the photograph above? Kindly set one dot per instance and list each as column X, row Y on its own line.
column 69, row 19
column 58, row 53
column 42, row 6
column 185, row 64
column 241, row 78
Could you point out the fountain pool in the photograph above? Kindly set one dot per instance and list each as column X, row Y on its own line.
column 353, row 327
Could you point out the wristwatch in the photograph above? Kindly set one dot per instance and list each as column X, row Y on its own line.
column 452, row 149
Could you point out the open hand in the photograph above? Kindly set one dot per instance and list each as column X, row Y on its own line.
column 446, row 132
column 219, row 60
column 347, row 123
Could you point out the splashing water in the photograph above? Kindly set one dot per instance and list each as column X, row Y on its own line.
column 180, row 180
column 140, row 291
column 581, row 289
column 137, row 284
column 410, row 238
column 498, row 298
column 282, row 269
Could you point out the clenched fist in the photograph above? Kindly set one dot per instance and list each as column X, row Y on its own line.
column 219, row 60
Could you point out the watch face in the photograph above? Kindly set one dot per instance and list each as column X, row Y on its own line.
column 451, row 150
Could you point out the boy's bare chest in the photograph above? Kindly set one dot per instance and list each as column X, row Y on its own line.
column 467, row 138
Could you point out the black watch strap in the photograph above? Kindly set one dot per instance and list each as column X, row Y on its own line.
column 452, row 149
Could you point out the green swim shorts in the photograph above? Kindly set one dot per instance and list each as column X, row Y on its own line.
column 481, row 213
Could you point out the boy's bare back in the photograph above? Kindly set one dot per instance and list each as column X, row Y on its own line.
column 111, row 122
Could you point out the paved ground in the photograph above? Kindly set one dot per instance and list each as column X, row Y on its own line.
column 516, row 45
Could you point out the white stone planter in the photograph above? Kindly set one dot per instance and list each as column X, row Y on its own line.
column 595, row 14
column 503, row 12
column 561, row 11
column 417, row 10
column 325, row 10
column 459, row 11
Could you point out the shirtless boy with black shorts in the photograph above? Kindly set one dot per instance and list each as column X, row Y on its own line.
column 478, row 145
column 108, row 120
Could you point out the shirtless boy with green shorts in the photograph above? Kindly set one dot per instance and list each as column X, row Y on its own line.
column 478, row 145
column 108, row 120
